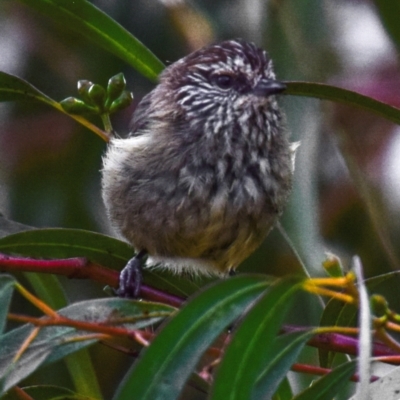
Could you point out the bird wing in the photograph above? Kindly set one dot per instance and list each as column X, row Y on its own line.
column 140, row 117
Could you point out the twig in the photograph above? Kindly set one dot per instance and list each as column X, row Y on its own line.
column 81, row 268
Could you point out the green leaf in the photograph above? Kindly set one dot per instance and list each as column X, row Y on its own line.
column 327, row 92
column 389, row 12
column 329, row 385
column 115, row 311
column 83, row 17
column 7, row 283
column 83, row 374
column 336, row 313
column 13, row 88
column 49, row 289
column 64, row 243
column 251, row 348
column 80, row 367
column 283, row 353
column 165, row 366
column 12, row 373
column 98, row 248
column 48, row 392
column 284, row 391
column 55, row 342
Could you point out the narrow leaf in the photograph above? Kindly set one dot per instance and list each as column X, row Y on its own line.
column 14, row 88
column 83, row 374
column 47, row 392
column 327, row 387
column 55, row 342
column 251, row 346
column 336, row 313
column 283, row 354
column 6, row 290
column 10, row 372
column 80, row 367
column 389, row 12
column 83, row 17
column 327, row 92
column 98, row 248
column 49, row 289
column 64, row 243
column 165, row 366
column 284, row 391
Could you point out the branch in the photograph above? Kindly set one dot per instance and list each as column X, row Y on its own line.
column 81, row 268
column 343, row 344
column 311, row 369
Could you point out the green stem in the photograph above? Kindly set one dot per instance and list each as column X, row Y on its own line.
column 105, row 117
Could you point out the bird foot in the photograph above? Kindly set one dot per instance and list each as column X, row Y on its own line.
column 130, row 278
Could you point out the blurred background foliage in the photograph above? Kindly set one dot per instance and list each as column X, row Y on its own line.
column 347, row 183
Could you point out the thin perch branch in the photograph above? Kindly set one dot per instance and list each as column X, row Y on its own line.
column 81, row 268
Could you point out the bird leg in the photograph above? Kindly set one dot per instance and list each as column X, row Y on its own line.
column 130, row 278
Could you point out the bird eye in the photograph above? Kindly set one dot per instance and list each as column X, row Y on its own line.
column 224, row 81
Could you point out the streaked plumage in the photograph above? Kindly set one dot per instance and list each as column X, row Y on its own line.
column 207, row 168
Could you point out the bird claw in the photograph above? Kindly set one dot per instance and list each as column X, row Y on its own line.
column 130, row 278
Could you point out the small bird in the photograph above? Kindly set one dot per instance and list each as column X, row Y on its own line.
column 207, row 167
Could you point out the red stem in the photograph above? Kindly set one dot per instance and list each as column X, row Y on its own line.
column 81, row 268
column 340, row 343
column 346, row 344
column 20, row 394
column 310, row 369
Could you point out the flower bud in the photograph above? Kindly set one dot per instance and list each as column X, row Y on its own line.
column 75, row 106
column 97, row 95
column 83, row 88
column 115, row 87
column 122, row 102
column 379, row 305
column 333, row 265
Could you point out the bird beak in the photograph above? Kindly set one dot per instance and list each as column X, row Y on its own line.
column 268, row 87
